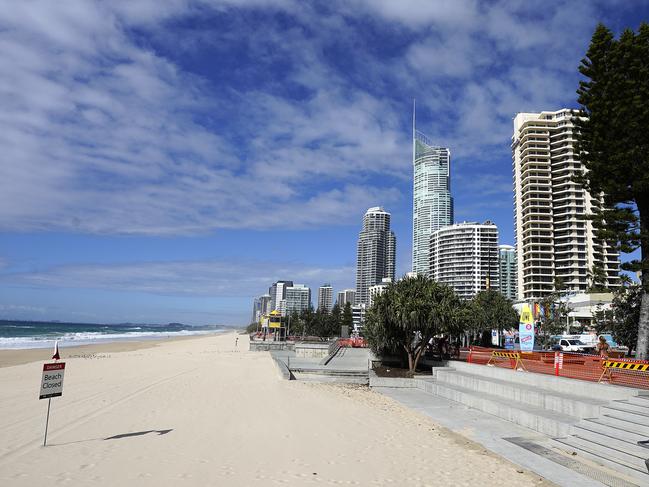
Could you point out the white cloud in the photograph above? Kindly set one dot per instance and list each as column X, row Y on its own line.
column 183, row 278
column 102, row 134
column 445, row 14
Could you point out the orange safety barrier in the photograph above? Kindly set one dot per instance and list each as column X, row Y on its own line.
column 352, row 342
column 618, row 371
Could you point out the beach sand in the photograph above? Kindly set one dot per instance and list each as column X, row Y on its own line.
column 198, row 412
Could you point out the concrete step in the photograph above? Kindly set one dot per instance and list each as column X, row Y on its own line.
column 631, row 426
column 600, row 426
column 640, row 400
column 635, row 470
column 626, row 413
column 564, row 385
column 538, row 419
column 328, row 371
column 630, row 406
column 570, row 404
column 337, row 379
column 618, row 447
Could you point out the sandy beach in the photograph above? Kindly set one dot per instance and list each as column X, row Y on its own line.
column 198, row 412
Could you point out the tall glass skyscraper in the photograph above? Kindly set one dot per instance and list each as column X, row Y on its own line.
column 508, row 271
column 432, row 201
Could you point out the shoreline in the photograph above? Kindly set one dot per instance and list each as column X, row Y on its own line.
column 10, row 357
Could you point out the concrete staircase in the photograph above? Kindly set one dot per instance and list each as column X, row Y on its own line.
column 611, row 439
column 599, row 422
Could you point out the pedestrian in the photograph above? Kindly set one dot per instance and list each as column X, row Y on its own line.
column 236, row 342
column 602, row 347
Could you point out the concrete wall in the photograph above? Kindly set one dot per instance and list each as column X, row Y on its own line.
column 266, row 346
column 398, row 382
column 282, row 369
column 311, row 350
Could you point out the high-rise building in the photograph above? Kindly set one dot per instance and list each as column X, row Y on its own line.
column 554, row 242
column 298, row 298
column 256, row 311
column 465, row 256
column 376, row 251
column 358, row 316
column 507, row 273
column 374, row 291
column 346, row 296
column 325, row 298
column 265, row 303
column 277, row 293
column 432, row 201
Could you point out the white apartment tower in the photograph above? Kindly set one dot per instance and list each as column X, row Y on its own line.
column 432, row 201
column 465, row 256
column 278, row 293
column 325, row 298
column 298, row 298
column 376, row 290
column 375, row 255
column 553, row 239
column 507, row 277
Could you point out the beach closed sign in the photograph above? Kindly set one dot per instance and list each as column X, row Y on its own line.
column 52, row 381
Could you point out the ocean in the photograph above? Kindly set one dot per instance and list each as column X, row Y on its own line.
column 43, row 334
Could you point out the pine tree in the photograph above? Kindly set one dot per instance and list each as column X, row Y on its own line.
column 613, row 146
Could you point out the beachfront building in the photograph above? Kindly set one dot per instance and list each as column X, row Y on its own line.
column 325, row 298
column 346, row 296
column 265, row 304
column 375, row 253
column 298, row 299
column 358, row 316
column 377, row 289
column 277, row 293
column 256, row 311
column 432, row 201
column 465, row 256
column 507, row 271
column 554, row 240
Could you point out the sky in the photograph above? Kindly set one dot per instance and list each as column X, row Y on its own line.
column 167, row 161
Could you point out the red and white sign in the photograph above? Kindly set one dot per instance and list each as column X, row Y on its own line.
column 52, row 381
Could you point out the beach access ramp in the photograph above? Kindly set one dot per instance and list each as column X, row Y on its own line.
column 343, row 365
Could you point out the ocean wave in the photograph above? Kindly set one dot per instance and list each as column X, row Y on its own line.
column 86, row 338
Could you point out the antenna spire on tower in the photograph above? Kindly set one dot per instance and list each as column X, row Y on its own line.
column 413, row 117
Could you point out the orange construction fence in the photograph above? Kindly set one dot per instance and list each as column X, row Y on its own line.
column 358, row 342
column 618, row 371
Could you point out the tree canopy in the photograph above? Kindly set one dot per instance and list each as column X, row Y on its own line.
column 407, row 315
column 490, row 310
column 613, row 146
column 623, row 316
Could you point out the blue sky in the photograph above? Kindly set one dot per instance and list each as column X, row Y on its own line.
column 167, row 161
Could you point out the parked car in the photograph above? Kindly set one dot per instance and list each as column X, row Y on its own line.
column 574, row 345
column 591, row 339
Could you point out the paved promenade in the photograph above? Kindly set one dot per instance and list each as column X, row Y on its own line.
column 491, row 432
